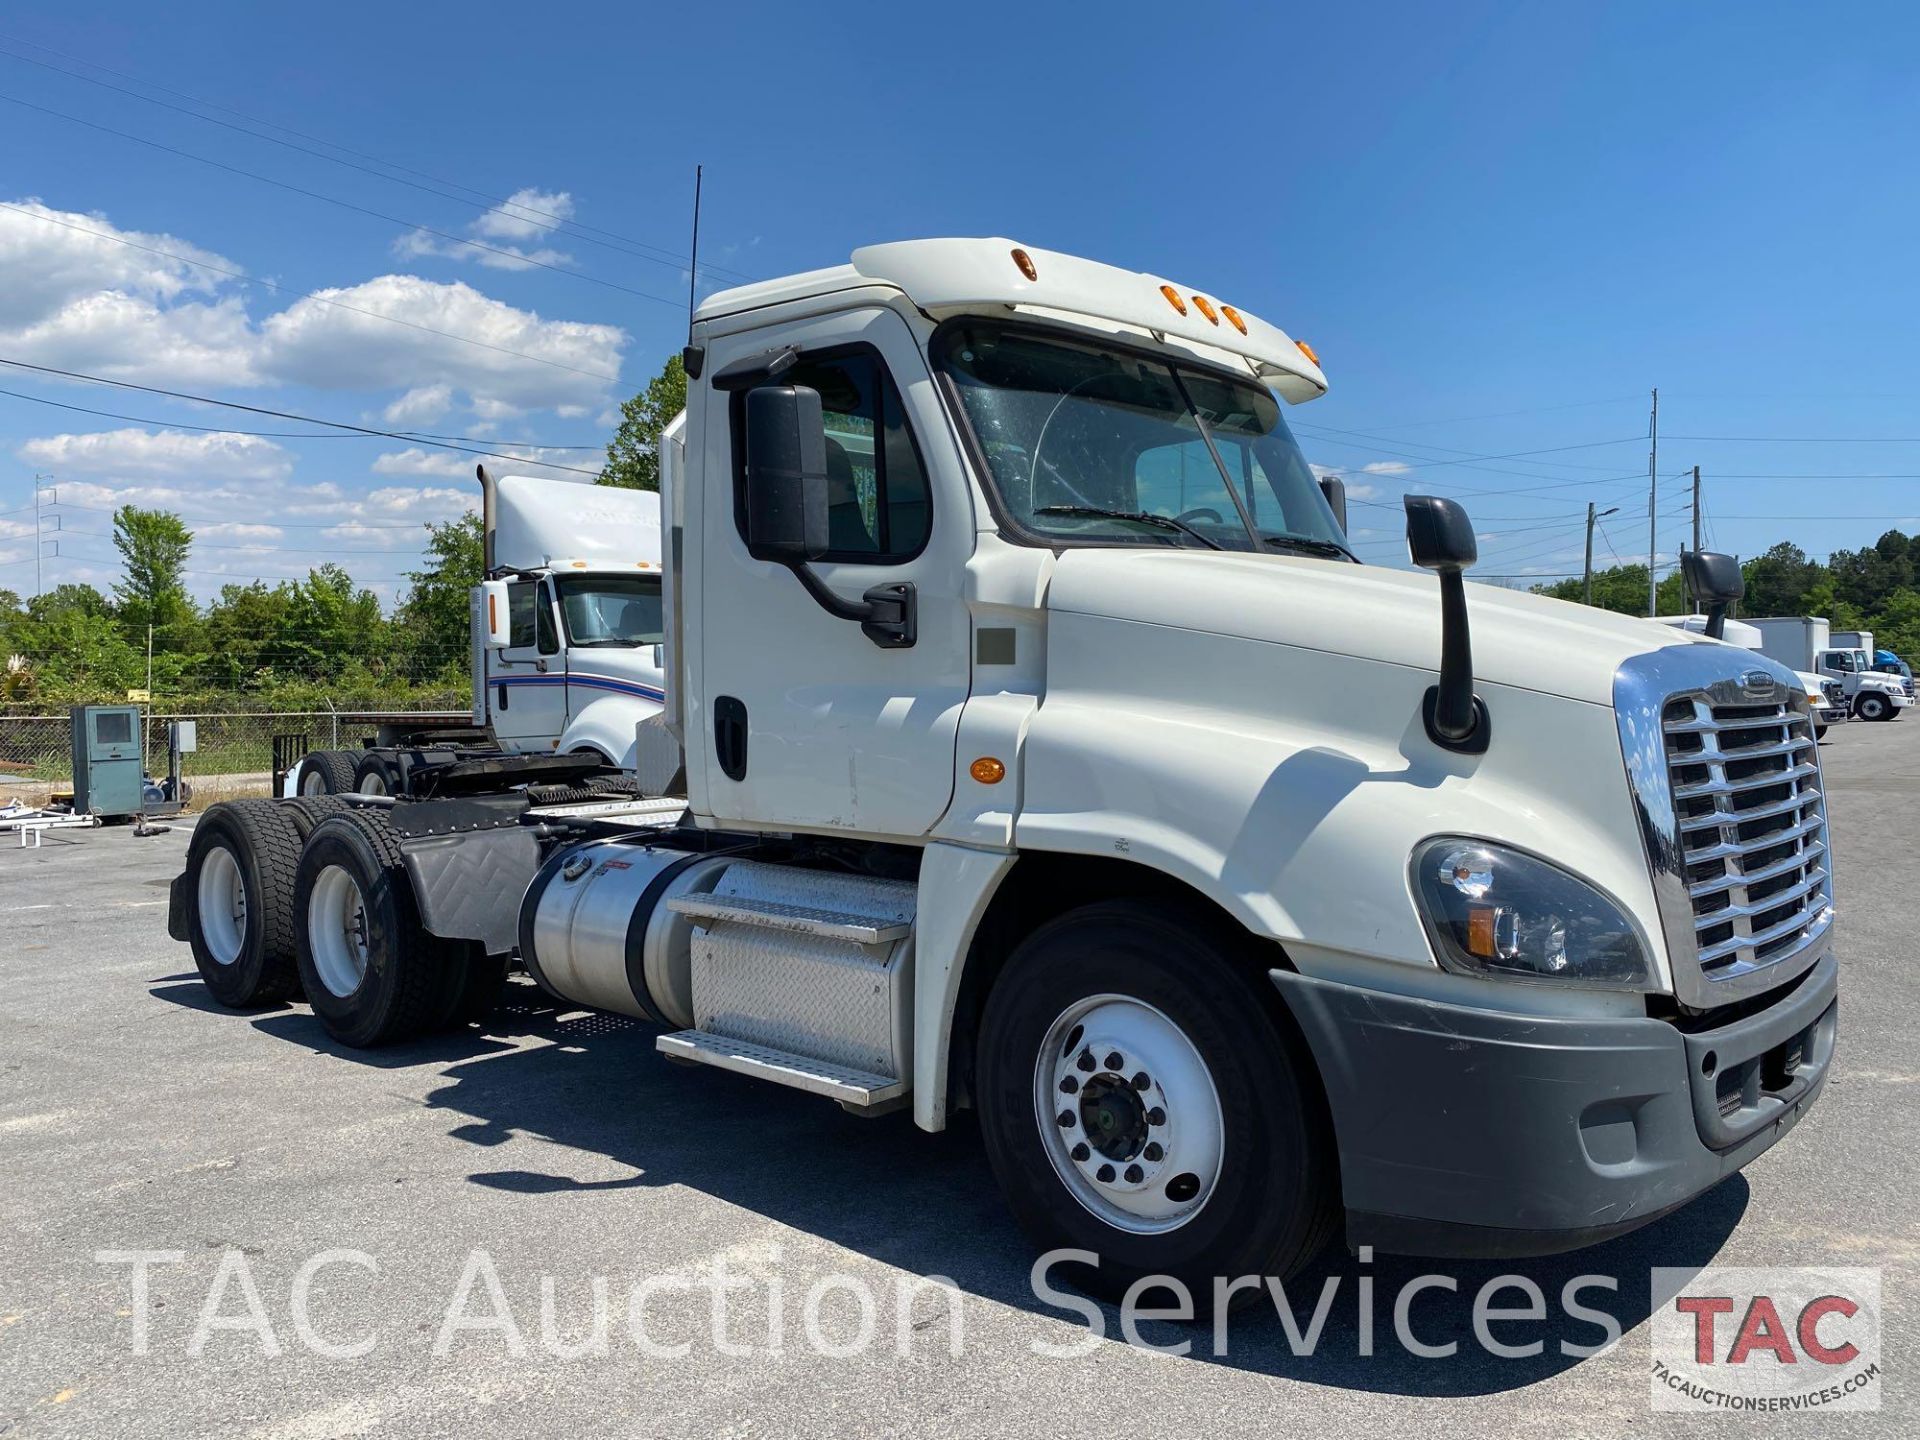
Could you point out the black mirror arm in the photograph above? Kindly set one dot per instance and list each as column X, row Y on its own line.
column 1455, row 717
column 889, row 614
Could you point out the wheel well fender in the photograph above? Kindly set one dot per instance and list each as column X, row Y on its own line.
column 1036, row 887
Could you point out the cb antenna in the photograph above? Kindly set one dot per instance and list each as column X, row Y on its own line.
column 692, row 357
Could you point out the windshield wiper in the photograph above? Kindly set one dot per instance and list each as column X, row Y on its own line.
column 1095, row 512
column 1306, row 545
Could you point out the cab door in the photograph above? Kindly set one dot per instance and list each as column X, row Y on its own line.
column 797, row 718
column 527, row 679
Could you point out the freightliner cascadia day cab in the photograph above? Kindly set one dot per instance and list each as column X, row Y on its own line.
column 1004, row 767
column 578, row 662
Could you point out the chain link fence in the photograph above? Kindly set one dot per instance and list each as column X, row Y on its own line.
column 38, row 749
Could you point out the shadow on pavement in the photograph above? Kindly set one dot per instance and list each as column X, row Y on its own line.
column 929, row 1204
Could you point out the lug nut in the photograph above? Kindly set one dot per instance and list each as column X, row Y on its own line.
column 1135, row 1174
column 1081, row 1152
column 1066, row 1119
column 1153, row 1152
column 1070, row 1085
column 1115, row 1060
column 1142, row 1080
column 1156, row 1116
column 1105, row 1174
column 1085, row 1062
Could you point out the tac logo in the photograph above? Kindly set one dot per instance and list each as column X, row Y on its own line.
column 1766, row 1340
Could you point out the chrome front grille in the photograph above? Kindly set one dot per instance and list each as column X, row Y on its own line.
column 1752, row 824
column 1725, row 777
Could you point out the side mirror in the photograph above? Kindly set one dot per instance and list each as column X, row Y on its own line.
column 1439, row 535
column 1440, row 538
column 786, row 474
column 494, row 615
column 1715, row 581
column 1336, row 492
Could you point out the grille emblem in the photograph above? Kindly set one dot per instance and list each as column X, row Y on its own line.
column 1757, row 684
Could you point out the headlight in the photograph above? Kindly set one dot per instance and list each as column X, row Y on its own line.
column 1491, row 911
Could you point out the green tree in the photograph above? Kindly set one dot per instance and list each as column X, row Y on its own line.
column 633, row 457
column 432, row 621
column 153, row 546
column 1779, row 581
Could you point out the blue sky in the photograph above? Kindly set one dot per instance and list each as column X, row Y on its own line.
column 1501, row 225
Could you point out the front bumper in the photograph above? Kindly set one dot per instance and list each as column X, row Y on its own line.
column 1468, row 1132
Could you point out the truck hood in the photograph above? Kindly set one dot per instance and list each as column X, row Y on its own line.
column 1521, row 640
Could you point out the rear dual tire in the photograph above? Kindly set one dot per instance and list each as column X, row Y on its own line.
column 240, row 867
column 326, row 772
column 1143, row 1096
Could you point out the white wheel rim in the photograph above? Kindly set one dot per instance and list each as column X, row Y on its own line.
column 222, row 897
column 337, row 931
column 373, row 783
column 313, row 782
column 1128, row 1114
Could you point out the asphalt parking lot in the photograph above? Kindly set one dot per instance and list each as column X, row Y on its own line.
column 136, row 1116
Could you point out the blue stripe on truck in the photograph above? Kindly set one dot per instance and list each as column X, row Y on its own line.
column 591, row 682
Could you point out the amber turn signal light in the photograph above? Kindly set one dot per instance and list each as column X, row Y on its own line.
column 987, row 770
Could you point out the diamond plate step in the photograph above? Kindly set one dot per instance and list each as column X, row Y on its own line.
column 712, row 910
column 854, row 1088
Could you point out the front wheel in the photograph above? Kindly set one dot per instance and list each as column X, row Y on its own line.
column 1142, row 1097
column 1873, row 707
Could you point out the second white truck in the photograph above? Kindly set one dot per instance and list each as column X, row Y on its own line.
column 1805, row 642
column 570, row 660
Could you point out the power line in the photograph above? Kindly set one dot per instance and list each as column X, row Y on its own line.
column 290, row 415
column 380, row 215
column 570, row 222
column 1804, row 439
column 486, row 204
column 277, row 434
column 1424, row 462
column 313, row 295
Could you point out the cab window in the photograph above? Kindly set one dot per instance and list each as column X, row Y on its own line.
column 878, row 499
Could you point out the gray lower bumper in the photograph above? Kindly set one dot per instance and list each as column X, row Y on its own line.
column 1471, row 1132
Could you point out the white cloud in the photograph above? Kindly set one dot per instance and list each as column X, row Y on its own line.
column 422, row 405
column 161, row 454
column 525, row 215
column 415, row 461
column 1385, row 467
column 553, row 362
column 81, row 293
column 76, row 298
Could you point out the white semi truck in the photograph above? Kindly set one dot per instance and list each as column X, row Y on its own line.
column 575, row 661
column 1806, row 642
column 1003, row 766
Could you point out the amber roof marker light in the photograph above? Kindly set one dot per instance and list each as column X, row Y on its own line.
column 1307, row 350
column 1205, row 307
column 1025, row 262
column 1233, row 318
column 1173, row 298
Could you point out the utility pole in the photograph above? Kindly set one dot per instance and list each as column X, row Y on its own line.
column 1696, row 509
column 1653, row 508
column 1587, row 571
column 39, row 583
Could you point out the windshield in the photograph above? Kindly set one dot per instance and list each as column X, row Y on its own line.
column 611, row 610
column 1089, row 442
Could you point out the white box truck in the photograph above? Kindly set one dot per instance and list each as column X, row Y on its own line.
column 578, row 661
column 996, row 601
column 1805, row 642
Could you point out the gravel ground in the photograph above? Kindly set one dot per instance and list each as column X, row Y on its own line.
column 555, row 1151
